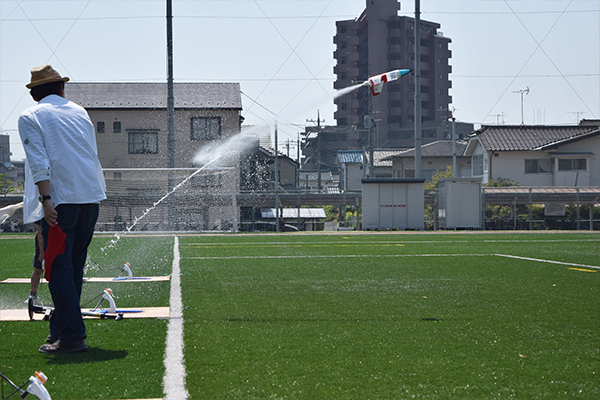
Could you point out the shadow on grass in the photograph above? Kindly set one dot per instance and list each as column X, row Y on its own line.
column 94, row 354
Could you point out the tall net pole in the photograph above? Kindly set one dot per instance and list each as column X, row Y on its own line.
column 418, row 121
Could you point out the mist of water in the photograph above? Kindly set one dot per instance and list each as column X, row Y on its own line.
column 347, row 90
column 213, row 155
column 227, row 151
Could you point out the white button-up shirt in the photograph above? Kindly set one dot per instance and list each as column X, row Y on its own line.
column 60, row 144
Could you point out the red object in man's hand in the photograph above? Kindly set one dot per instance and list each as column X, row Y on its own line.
column 55, row 247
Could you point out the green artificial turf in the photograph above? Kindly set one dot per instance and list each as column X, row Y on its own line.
column 342, row 316
column 380, row 316
column 125, row 358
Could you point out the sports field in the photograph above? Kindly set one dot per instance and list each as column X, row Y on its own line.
column 340, row 316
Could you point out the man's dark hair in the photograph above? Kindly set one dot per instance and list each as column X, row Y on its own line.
column 39, row 92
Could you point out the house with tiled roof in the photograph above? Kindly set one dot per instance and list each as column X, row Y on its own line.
column 537, row 155
column 352, row 169
column 355, row 166
column 131, row 119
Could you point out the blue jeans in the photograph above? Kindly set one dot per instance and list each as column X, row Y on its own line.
column 77, row 222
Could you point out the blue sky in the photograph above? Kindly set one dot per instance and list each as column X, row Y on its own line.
column 281, row 52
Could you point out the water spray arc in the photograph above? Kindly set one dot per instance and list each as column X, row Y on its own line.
column 117, row 236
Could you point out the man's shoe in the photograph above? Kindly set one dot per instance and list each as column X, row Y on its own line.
column 51, row 338
column 65, row 346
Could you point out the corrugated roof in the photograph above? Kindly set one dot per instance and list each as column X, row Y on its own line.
column 350, row 156
column 154, row 95
column 309, row 213
column 524, row 137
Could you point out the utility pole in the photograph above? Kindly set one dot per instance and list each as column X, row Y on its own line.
column 454, row 147
column 418, row 122
column 170, row 95
column 170, row 113
column 276, row 181
column 368, row 122
column 522, row 92
column 299, row 164
column 319, row 161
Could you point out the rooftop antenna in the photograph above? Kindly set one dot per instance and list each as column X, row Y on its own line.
column 577, row 114
column 522, row 92
column 499, row 118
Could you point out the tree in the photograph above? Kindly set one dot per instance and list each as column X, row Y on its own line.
column 437, row 175
column 501, row 182
column 6, row 185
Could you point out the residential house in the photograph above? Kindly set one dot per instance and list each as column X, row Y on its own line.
column 352, row 170
column 537, row 155
column 131, row 120
column 355, row 165
column 131, row 125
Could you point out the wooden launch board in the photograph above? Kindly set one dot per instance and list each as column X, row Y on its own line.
column 99, row 279
column 145, row 312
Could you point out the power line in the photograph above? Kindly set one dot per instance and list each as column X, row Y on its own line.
column 530, row 57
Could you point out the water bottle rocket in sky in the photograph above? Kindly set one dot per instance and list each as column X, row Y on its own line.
column 376, row 82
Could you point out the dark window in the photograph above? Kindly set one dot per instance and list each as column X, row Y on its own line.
column 116, row 127
column 100, row 127
column 540, row 166
column 575, row 164
column 206, row 128
column 143, row 142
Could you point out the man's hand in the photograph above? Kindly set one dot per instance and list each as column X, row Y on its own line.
column 50, row 213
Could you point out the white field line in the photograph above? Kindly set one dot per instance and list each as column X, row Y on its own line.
column 339, row 256
column 263, row 244
column 174, row 379
column 392, row 256
column 548, row 261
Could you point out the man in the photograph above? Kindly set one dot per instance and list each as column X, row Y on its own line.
column 59, row 141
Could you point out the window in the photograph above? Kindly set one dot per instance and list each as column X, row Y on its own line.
column 143, row 142
column 572, row 164
column 100, row 127
column 206, row 128
column 540, row 166
column 116, row 127
column 478, row 165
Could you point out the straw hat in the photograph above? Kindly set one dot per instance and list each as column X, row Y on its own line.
column 44, row 74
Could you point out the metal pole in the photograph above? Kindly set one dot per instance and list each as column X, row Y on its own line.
column 454, row 147
column 319, row 160
column 418, row 121
column 299, row 165
column 578, row 209
column 530, row 211
column 3, row 172
column 170, row 113
column 234, row 200
column 276, row 179
column 170, row 95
